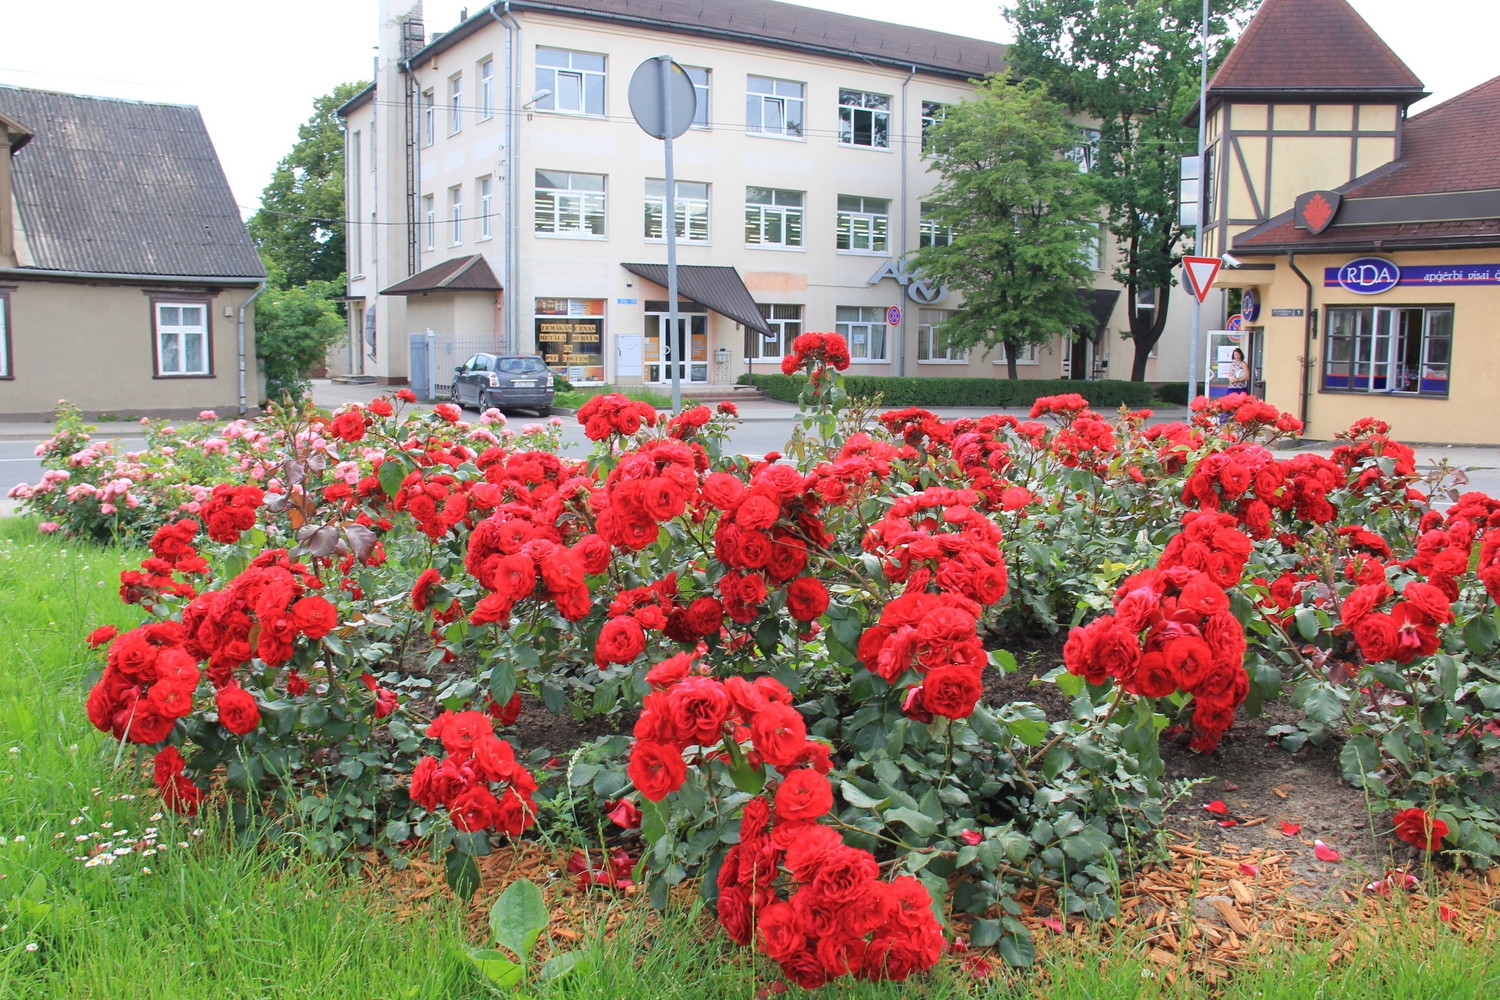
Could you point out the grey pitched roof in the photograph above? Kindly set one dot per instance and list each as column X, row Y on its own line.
column 778, row 25
column 122, row 187
column 719, row 288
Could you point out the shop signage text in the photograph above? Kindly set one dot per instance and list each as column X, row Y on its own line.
column 918, row 290
column 1373, row 275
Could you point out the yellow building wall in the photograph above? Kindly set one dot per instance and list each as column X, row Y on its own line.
column 1467, row 416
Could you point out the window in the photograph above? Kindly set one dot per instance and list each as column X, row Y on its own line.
column 429, row 221
column 1086, row 152
column 690, row 204
column 1093, row 256
column 429, row 118
column 700, row 89
column 356, row 211
column 455, row 103
column 863, row 329
column 487, row 89
column 932, row 113
column 864, row 119
column 773, row 218
column 1026, row 354
column 1208, row 186
column 569, row 204
column 456, row 214
column 5, row 370
column 786, row 326
column 576, row 80
column 932, row 232
column 486, row 187
column 1398, row 349
column 773, row 107
column 864, row 224
column 182, row 345
column 932, row 342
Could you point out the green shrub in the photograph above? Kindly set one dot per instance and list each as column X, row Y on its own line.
column 1104, row 394
column 1172, row 393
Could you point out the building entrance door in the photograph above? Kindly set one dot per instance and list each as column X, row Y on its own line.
column 687, row 350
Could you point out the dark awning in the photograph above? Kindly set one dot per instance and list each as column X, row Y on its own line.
column 461, row 274
column 718, row 288
column 1100, row 302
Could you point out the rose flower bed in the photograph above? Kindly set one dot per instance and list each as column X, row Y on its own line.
column 333, row 651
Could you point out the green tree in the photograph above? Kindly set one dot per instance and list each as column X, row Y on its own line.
column 1021, row 215
column 299, row 227
column 1132, row 67
column 294, row 327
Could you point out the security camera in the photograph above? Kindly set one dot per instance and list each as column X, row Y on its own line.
column 1230, row 260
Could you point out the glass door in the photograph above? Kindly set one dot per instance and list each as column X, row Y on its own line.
column 664, row 351
column 1383, row 357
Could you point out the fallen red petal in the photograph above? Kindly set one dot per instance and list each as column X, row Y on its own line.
column 1230, row 786
column 1251, row 870
column 1446, row 913
column 1053, row 924
column 1290, row 829
column 1217, row 807
column 1229, row 822
column 1324, row 852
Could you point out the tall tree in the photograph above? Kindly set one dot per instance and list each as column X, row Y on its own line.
column 1021, row 215
column 299, row 227
column 1132, row 67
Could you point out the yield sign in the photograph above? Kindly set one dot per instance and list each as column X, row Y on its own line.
column 1200, row 273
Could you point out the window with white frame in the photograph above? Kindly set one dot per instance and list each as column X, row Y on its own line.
column 931, row 232
column 182, row 344
column 5, row 368
column 456, row 214
column 429, row 118
column 429, row 221
column 455, row 103
column 486, row 188
column 486, row 89
column 864, row 330
column 774, row 107
column 569, row 204
column 576, row 80
column 864, row 119
column 864, row 224
column 773, row 218
column 1026, row 354
column 785, row 322
column 1086, row 152
column 1093, row 256
column 699, row 76
column 1406, row 350
column 932, row 342
column 691, row 206
column 932, row 113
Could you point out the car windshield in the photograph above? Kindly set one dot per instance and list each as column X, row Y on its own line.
column 522, row 366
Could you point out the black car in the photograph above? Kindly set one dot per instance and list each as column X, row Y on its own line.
column 504, row 381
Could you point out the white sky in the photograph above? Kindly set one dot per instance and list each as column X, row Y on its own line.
column 254, row 68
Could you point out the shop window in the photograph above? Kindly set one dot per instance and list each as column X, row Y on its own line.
column 1395, row 350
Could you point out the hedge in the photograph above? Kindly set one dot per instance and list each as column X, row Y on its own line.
column 1102, row 394
column 1173, row 393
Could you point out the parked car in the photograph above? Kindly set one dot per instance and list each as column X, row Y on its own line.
column 504, row 381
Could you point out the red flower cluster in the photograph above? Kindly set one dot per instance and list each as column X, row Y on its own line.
column 1065, row 407
column 815, row 905
column 1250, row 416
column 177, row 790
column 1420, row 830
column 518, row 546
column 147, row 684
column 612, row 413
column 649, row 486
column 1407, row 631
column 1249, row 482
column 462, row 782
column 765, row 535
column 1172, row 629
column 1369, row 441
column 231, row 510
column 816, row 350
column 937, row 537
column 172, row 552
column 936, row 635
column 350, row 425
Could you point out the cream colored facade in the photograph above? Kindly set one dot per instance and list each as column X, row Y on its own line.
column 503, row 138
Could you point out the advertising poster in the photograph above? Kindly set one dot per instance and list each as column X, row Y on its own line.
column 570, row 338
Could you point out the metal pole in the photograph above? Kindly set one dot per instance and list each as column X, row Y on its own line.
column 1195, row 344
column 669, row 223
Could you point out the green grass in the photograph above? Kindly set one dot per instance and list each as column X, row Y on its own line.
column 573, row 398
column 217, row 921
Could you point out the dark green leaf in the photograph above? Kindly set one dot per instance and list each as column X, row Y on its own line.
column 1359, row 759
column 462, row 874
column 920, row 824
column 985, row 933
column 1018, row 950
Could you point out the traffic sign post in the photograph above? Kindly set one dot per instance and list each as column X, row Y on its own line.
column 1201, row 272
column 893, row 315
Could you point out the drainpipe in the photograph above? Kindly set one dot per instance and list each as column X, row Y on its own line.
column 905, row 223
column 244, row 306
column 1307, row 336
column 512, row 161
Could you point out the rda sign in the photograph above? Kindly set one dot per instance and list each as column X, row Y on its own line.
column 1369, row 276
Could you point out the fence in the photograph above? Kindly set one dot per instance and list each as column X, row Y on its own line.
column 435, row 355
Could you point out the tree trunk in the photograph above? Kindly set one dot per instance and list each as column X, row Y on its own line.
column 1146, row 326
column 1010, row 361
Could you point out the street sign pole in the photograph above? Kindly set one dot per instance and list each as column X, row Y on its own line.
column 1195, row 343
column 669, row 223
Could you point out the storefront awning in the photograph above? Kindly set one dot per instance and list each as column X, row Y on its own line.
column 718, row 288
column 1100, row 302
column 461, row 274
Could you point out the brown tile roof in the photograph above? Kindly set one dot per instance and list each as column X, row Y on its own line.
column 1454, row 147
column 461, row 274
column 1312, row 45
column 772, row 24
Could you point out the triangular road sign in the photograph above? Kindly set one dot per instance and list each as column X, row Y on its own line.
column 1200, row 273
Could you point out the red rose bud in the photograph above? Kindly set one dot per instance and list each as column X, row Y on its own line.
column 624, row 814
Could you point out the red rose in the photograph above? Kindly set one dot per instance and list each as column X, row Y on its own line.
column 593, row 553
column 620, row 641
column 515, row 813
column 844, row 874
column 735, row 915
column 778, row 933
column 804, row 795
column 314, row 617
column 421, row 591
column 1420, row 830
column 841, row 954
column 779, row 733
column 101, row 635
column 423, row 789
column 459, row 731
column 806, row 598
column 1117, row 653
column 296, row 684
column 1429, row 600
column 1189, row 659
column 348, row 426
column 697, row 708
column 803, row 967
column 951, row 691
column 237, row 709
column 657, row 769
column 1376, row 634
column 474, row 809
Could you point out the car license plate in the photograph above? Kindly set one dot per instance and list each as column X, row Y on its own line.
column 529, row 384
